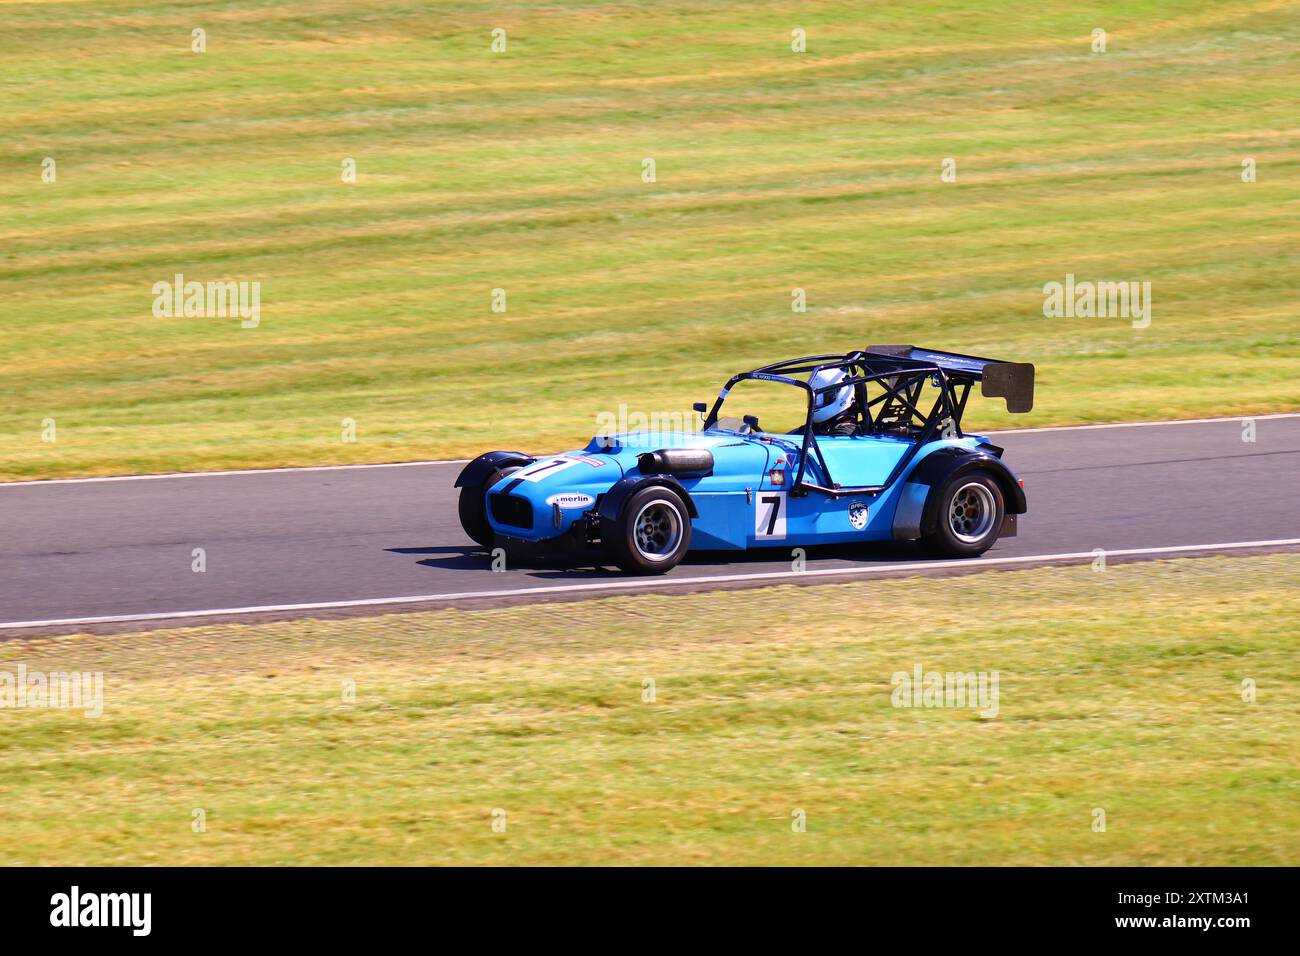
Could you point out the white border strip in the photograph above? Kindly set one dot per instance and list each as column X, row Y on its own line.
column 461, row 461
column 639, row 583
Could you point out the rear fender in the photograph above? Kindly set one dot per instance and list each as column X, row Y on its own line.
column 476, row 472
column 918, row 503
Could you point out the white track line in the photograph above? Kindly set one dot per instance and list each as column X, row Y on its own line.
column 1176, row 421
column 462, row 461
column 223, row 474
column 627, row 584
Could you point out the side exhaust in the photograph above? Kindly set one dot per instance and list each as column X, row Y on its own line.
column 686, row 462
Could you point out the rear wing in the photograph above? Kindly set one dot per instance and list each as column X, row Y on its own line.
column 1013, row 381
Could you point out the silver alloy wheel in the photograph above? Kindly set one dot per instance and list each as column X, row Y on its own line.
column 657, row 530
column 971, row 512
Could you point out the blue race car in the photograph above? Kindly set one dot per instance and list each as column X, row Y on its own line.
column 876, row 453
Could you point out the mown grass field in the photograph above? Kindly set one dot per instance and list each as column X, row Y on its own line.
column 522, row 170
column 1119, row 691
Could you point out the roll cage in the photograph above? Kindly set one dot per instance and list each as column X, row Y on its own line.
column 901, row 372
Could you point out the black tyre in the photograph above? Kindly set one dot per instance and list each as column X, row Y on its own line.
column 969, row 516
column 473, row 507
column 651, row 535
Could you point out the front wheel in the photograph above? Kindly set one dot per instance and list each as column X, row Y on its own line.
column 473, row 507
column 652, row 533
column 969, row 518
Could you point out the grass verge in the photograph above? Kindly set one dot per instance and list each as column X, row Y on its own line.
column 1120, row 691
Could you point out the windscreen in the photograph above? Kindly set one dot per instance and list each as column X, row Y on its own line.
column 780, row 408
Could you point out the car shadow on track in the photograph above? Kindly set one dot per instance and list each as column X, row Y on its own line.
column 469, row 557
column 593, row 564
column 455, row 558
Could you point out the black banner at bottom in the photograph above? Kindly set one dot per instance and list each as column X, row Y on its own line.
column 335, row 906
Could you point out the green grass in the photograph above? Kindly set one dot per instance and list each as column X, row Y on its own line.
column 1119, row 691
column 521, row 170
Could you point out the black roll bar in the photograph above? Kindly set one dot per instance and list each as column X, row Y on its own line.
column 900, row 372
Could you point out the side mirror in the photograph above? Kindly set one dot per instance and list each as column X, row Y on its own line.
column 700, row 407
column 752, row 421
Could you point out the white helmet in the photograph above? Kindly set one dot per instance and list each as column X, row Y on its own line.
column 829, row 404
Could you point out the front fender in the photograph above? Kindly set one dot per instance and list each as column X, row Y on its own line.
column 476, row 472
column 612, row 502
column 918, row 502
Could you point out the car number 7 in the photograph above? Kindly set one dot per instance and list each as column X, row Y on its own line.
column 769, row 515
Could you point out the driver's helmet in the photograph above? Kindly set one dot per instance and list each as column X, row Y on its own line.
column 829, row 404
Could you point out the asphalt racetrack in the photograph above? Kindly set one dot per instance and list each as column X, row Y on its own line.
column 383, row 538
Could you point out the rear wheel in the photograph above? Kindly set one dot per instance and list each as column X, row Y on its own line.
column 652, row 533
column 473, row 506
column 969, row 516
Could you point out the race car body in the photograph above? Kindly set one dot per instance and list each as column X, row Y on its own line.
column 903, row 471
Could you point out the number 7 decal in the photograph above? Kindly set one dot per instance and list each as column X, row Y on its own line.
column 769, row 515
column 544, row 469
